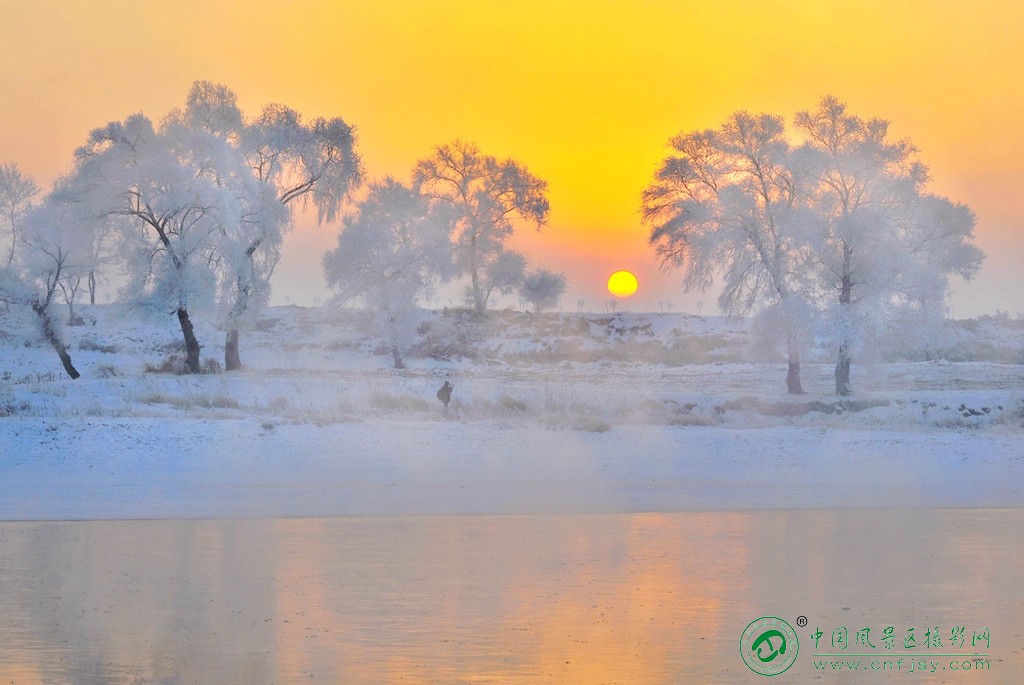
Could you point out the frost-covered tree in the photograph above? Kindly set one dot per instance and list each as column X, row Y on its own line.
column 210, row 107
column 885, row 247
column 482, row 195
column 504, row 275
column 53, row 256
column 839, row 225
column 96, row 247
column 102, row 253
column 391, row 253
column 938, row 239
column 543, row 289
column 306, row 165
column 728, row 203
column 303, row 164
column 16, row 193
column 172, row 195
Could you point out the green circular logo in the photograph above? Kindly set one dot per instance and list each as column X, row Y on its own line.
column 769, row 646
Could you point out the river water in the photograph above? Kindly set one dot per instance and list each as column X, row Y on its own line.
column 630, row 598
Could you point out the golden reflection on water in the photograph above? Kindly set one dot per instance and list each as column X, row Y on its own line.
column 651, row 598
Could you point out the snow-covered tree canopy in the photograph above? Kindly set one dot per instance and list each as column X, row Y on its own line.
column 391, row 253
column 173, row 195
column 482, row 196
column 391, row 241
column 309, row 163
column 730, row 202
column 301, row 164
column 57, row 241
column 505, row 274
column 56, row 244
column 836, row 225
column 177, row 198
column 209, row 107
column 197, row 206
column 16, row 193
column 884, row 247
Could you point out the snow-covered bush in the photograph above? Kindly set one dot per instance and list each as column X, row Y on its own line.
column 543, row 289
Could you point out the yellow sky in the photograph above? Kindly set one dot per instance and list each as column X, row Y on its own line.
column 585, row 93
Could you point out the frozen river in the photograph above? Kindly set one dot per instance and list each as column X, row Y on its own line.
column 607, row 598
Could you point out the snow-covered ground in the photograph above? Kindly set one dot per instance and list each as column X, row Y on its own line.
column 558, row 413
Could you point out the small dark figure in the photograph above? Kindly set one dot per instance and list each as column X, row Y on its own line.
column 445, row 394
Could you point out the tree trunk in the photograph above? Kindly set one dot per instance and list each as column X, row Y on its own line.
column 843, row 386
column 14, row 241
column 397, row 357
column 191, row 344
column 51, row 336
column 232, row 360
column 232, row 353
column 793, row 377
column 793, row 373
column 92, row 287
column 479, row 302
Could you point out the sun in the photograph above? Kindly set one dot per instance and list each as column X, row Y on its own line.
column 622, row 284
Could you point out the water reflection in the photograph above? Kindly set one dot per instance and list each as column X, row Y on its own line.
column 652, row 598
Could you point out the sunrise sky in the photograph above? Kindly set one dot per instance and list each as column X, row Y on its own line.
column 585, row 93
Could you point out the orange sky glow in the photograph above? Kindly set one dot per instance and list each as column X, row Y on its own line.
column 586, row 94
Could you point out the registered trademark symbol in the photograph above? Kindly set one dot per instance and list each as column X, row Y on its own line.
column 801, row 621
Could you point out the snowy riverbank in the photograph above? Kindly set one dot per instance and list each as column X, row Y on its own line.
column 325, row 428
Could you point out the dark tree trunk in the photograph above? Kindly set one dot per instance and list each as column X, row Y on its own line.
column 65, row 359
column 232, row 360
column 232, row 353
column 397, row 357
column 191, row 344
column 51, row 336
column 92, row 287
column 793, row 373
column 843, row 386
column 793, row 377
